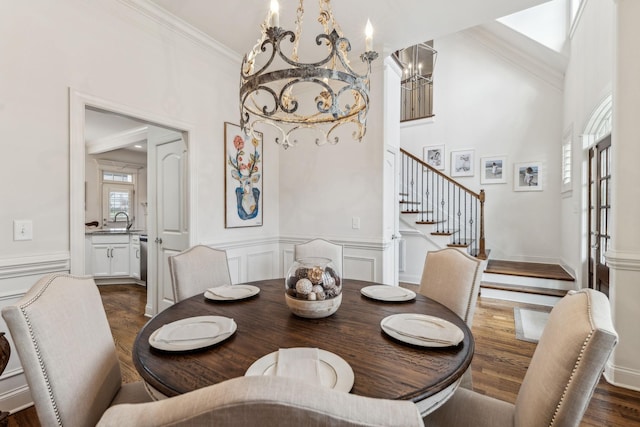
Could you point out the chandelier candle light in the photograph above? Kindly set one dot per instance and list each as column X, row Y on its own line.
column 279, row 90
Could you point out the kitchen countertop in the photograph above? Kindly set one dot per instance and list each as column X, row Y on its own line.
column 113, row 231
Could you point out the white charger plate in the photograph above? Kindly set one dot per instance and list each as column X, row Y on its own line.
column 391, row 324
column 231, row 292
column 388, row 293
column 334, row 371
column 180, row 330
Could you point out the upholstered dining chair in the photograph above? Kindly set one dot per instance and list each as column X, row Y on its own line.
column 564, row 371
column 62, row 336
column 320, row 248
column 196, row 269
column 267, row 401
column 452, row 278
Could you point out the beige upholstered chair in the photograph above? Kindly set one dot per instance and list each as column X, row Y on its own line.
column 196, row 269
column 266, row 401
column 320, row 248
column 64, row 342
column 564, row 372
column 452, row 278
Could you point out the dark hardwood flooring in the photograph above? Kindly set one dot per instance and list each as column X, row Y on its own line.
column 498, row 366
column 528, row 269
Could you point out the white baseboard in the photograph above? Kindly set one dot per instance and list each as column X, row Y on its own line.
column 16, row 400
column 622, row 377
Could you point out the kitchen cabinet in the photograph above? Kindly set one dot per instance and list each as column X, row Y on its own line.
column 110, row 255
column 135, row 257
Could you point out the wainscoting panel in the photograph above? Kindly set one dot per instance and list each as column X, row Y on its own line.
column 360, row 268
column 260, row 265
column 17, row 276
column 234, row 268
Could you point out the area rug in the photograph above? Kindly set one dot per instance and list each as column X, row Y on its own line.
column 529, row 323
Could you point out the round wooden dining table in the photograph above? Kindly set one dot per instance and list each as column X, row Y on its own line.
column 383, row 366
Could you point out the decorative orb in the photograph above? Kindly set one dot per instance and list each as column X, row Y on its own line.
column 313, row 288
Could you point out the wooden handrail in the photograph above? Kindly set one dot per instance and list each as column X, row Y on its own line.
column 436, row 171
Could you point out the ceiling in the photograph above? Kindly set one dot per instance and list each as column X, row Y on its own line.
column 397, row 23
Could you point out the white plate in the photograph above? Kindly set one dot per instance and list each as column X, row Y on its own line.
column 192, row 333
column 388, row 293
column 334, row 373
column 401, row 325
column 231, row 293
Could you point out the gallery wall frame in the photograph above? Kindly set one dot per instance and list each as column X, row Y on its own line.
column 434, row 156
column 493, row 170
column 528, row 176
column 243, row 178
column 462, row 163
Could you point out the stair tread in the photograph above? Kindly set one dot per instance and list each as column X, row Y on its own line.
column 528, row 269
column 524, row 289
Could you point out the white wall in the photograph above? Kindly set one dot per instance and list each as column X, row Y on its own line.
column 107, row 50
column 323, row 188
column 485, row 102
column 587, row 83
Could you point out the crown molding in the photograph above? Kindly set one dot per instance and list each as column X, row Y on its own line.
column 545, row 64
column 177, row 25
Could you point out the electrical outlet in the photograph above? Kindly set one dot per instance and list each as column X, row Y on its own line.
column 22, row 229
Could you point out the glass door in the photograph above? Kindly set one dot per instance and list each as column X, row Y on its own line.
column 599, row 214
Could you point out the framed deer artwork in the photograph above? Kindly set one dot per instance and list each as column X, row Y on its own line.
column 243, row 178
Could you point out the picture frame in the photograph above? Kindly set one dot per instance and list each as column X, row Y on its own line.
column 493, row 170
column 462, row 163
column 243, row 178
column 528, row 176
column 434, row 156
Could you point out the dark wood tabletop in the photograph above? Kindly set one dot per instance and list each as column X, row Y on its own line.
column 383, row 367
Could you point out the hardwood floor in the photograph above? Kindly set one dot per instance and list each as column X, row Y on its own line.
column 498, row 366
column 528, row 269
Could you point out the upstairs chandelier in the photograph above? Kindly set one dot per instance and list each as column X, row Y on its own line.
column 279, row 90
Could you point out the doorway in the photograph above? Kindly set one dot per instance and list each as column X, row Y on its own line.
column 599, row 214
column 79, row 102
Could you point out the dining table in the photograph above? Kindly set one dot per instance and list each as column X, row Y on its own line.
column 383, row 366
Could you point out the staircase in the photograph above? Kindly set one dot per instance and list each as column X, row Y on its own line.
column 446, row 212
column 441, row 212
column 534, row 283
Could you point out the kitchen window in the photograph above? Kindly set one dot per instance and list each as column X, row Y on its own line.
column 118, row 184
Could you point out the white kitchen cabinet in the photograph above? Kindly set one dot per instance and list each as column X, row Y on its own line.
column 134, row 254
column 110, row 255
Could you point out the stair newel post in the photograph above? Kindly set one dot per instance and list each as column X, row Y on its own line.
column 482, row 254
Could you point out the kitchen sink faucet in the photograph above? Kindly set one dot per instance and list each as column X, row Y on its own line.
column 115, row 218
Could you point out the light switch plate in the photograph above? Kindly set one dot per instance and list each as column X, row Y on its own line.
column 355, row 222
column 22, row 229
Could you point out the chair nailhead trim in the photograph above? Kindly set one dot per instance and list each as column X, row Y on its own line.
column 35, row 342
column 576, row 365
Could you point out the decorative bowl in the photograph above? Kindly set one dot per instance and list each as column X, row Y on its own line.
column 313, row 288
column 313, row 309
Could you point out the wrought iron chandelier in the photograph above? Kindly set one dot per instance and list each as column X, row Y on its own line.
column 279, row 90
